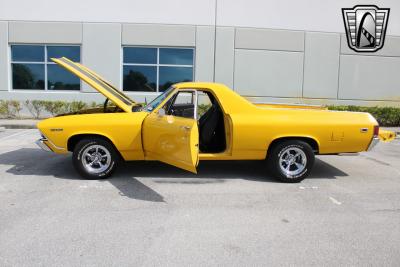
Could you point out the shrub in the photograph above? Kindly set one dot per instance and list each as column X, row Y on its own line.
column 10, row 108
column 15, row 107
column 202, row 108
column 35, row 107
column 76, row 106
column 95, row 104
column 3, row 107
column 55, row 107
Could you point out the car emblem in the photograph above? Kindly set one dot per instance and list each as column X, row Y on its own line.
column 56, row 129
column 365, row 27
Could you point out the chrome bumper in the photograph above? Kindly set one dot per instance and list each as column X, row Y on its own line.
column 373, row 143
column 42, row 144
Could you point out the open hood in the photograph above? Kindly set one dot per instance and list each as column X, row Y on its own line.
column 97, row 82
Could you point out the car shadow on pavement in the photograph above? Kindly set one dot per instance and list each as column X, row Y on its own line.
column 32, row 161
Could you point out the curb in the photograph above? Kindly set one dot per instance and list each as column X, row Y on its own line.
column 17, row 126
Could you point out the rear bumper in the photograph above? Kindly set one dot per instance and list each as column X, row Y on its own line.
column 374, row 142
column 41, row 143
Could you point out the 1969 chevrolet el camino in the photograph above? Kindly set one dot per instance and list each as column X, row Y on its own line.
column 201, row 121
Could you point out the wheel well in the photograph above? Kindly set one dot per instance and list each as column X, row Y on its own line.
column 73, row 140
column 308, row 140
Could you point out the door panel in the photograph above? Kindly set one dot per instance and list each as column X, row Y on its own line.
column 172, row 140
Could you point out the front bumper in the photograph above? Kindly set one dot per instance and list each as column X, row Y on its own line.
column 41, row 143
column 374, row 142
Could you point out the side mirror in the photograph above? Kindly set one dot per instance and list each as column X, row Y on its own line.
column 161, row 112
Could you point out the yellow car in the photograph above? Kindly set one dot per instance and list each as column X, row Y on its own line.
column 201, row 121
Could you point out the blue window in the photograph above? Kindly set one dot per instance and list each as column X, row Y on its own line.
column 71, row 52
column 140, row 55
column 176, row 56
column 32, row 67
column 28, row 76
column 155, row 69
column 141, row 78
column 31, row 53
column 171, row 75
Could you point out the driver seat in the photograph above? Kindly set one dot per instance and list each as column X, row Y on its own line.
column 209, row 131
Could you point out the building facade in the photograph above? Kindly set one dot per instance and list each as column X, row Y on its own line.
column 267, row 51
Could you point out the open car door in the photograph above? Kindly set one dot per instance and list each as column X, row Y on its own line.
column 171, row 137
column 97, row 82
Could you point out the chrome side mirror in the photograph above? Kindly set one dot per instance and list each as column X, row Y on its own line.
column 161, row 112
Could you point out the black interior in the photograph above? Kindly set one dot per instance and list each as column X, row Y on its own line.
column 182, row 110
column 211, row 123
column 211, row 129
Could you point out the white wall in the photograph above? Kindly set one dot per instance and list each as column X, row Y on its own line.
column 309, row 15
column 197, row 12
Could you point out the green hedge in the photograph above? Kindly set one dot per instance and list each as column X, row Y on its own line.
column 12, row 108
column 386, row 116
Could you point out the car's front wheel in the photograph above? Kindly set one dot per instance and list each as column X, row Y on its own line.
column 94, row 158
column 291, row 161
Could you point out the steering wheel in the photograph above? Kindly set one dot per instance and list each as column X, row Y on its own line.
column 105, row 106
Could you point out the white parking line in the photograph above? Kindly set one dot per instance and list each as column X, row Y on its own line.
column 14, row 134
column 335, row 201
column 308, row 187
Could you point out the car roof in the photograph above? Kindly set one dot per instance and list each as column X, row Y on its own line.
column 202, row 85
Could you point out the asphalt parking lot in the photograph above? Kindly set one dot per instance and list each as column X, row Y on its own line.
column 230, row 214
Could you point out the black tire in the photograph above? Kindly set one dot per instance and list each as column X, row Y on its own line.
column 287, row 150
column 104, row 166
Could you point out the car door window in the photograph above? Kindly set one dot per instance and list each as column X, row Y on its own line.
column 203, row 103
column 181, row 105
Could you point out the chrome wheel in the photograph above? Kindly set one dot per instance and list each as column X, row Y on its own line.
column 292, row 161
column 96, row 159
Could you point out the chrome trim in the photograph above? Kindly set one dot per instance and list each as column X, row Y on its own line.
column 40, row 143
column 288, row 104
column 195, row 104
column 374, row 142
column 44, row 138
column 292, row 157
column 98, row 161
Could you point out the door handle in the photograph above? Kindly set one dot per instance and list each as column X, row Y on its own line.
column 185, row 128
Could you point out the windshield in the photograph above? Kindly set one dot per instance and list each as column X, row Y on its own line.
column 153, row 104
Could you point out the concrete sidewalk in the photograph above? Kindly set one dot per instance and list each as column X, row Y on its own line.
column 18, row 124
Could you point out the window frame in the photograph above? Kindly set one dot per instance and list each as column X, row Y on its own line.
column 45, row 63
column 157, row 64
column 173, row 98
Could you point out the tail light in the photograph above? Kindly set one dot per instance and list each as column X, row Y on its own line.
column 376, row 130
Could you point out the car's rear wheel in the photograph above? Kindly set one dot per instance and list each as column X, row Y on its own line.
column 94, row 158
column 291, row 161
